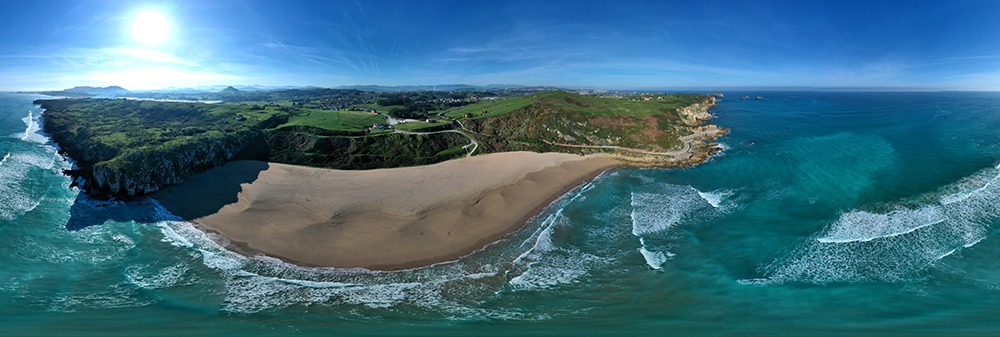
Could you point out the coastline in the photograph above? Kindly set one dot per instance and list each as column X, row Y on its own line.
column 384, row 219
column 391, row 218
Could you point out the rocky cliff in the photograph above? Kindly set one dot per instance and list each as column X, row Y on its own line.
column 361, row 153
column 146, row 170
column 697, row 114
column 128, row 148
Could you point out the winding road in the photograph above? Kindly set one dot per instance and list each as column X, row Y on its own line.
column 472, row 142
column 686, row 139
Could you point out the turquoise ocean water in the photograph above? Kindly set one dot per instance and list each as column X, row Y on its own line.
column 828, row 213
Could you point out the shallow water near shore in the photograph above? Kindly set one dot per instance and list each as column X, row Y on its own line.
column 827, row 214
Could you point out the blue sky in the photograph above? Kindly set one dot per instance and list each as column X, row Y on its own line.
column 578, row 44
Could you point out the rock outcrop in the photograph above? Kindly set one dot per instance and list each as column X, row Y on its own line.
column 145, row 171
column 697, row 114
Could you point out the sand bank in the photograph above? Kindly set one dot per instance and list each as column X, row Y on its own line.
column 378, row 219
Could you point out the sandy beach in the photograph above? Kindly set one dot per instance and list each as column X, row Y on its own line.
column 377, row 219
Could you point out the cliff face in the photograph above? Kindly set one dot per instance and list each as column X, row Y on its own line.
column 361, row 153
column 697, row 114
column 145, row 171
column 128, row 148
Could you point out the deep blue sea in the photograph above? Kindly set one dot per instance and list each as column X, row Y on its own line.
column 827, row 213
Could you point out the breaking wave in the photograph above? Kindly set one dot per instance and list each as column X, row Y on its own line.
column 863, row 246
column 656, row 211
column 861, row 226
column 654, row 259
column 22, row 190
column 33, row 129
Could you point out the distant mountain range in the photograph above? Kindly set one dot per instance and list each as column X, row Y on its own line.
column 85, row 91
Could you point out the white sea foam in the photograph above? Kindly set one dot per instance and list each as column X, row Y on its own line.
column 315, row 284
column 29, row 121
column 123, row 239
column 653, row 258
column 169, row 235
column 863, row 246
column 861, row 226
column 148, row 277
column 304, row 283
column 33, row 127
column 115, row 296
column 542, row 239
column 478, row 276
column 21, row 191
column 714, row 198
column 545, row 265
column 565, row 266
column 962, row 195
column 43, row 162
column 658, row 208
column 657, row 211
column 546, row 277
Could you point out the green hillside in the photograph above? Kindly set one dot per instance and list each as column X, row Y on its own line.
column 587, row 105
column 646, row 122
column 334, row 120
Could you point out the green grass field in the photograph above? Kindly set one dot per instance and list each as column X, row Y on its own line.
column 334, row 120
column 588, row 105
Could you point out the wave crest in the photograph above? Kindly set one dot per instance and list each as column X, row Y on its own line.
column 895, row 246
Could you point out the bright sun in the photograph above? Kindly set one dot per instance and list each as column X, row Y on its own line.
column 150, row 27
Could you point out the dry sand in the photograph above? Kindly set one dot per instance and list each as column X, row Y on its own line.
column 377, row 219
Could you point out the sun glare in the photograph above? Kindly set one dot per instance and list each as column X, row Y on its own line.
column 150, row 27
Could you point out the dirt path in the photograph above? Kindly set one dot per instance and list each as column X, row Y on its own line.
column 472, row 142
column 685, row 150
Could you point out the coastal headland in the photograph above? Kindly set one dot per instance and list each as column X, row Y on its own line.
column 327, row 178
